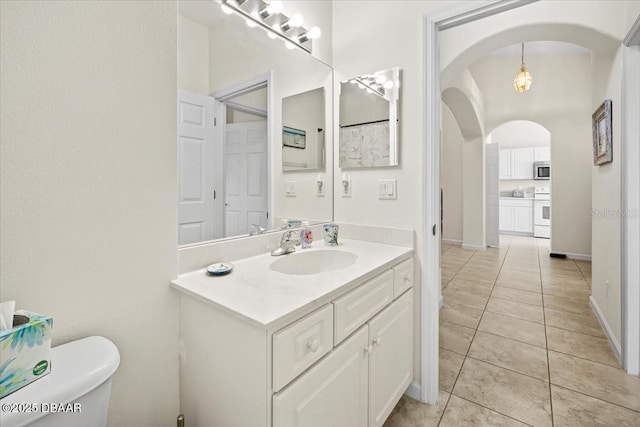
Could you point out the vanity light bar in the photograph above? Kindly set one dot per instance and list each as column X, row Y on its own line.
column 268, row 15
column 370, row 84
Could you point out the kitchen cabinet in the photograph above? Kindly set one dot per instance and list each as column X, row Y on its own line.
column 517, row 163
column 516, row 216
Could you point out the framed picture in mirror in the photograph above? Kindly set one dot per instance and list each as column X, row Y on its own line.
column 295, row 138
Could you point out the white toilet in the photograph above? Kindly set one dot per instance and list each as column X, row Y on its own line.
column 80, row 375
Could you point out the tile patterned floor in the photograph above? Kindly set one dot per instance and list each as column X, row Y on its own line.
column 519, row 345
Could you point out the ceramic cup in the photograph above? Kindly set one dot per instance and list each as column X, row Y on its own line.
column 331, row 234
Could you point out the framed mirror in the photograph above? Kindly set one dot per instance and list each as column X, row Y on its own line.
column 369, row 120
column 303, row 131
column 236, row 87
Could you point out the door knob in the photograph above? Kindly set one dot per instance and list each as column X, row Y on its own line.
column 313, row 345
column 377, row 341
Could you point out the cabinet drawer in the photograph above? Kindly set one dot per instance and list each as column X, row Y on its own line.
column 300, row 345
column 402, row 277
column 353, row 309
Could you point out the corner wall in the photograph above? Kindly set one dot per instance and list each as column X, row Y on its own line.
column 88, row 184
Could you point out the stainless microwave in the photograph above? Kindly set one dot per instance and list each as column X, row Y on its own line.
column 541, row 170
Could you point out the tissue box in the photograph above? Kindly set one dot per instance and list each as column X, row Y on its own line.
column 25, row 352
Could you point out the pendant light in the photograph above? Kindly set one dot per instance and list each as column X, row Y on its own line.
column 523, row 79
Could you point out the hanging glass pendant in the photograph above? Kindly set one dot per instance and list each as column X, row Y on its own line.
column 523, row 79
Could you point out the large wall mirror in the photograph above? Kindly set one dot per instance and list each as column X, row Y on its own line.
column 369, row 120
column 252, row 123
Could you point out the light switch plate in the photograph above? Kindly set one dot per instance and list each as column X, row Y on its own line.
column 290, row 189
column 387, row 189
column 346, row 188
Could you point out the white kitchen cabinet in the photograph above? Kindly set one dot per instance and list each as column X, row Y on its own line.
column 516, row 216
column 504, row 165
column 522, row 163
column 542, row 154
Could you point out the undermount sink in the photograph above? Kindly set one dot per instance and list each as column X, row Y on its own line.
column 313, row 262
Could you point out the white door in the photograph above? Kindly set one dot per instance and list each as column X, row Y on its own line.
column 391, row 360
column 195, row 168
column 505, row 163
column 493, row 194
column 332, row 393
column 246, row 180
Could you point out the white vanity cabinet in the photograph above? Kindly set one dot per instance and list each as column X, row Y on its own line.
column 345, row 362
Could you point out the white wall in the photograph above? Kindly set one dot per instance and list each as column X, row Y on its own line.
column 451, row 176
column 306, row 111
column 560, row 101
column 606, row 225
column 88, row 188
column 193, row 56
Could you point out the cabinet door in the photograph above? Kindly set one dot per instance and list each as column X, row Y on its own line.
column 507, row 218
column 332, row 393
column 391, row 359
column 542, row 154
column 524, row 219
column 522, row 163
column 504, row 164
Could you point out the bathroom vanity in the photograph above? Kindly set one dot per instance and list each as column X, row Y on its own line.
column 260, row 347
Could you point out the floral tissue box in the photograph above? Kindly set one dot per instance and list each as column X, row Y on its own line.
column 25, row 351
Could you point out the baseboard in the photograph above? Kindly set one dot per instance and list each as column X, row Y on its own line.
column 615, row 346
column 441, row 300
column 580, row 257
column 452, row 242
column 474, row 247
column 413, row 390
column 516, row 233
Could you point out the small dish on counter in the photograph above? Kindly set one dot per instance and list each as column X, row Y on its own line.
column 220, row 268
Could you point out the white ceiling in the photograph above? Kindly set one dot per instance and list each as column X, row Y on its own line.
column 538, row 48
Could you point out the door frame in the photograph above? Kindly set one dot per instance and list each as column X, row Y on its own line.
column 430, row 265
column 222, row 98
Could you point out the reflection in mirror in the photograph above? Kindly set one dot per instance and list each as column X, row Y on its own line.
column 369, row 120
column 232, row 81
column 303, row 131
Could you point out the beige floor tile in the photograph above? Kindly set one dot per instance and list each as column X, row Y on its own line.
column 575, row 409
column 455, row 337
column 569, row 305
column 525, row 267
column 413, row 413
column 520, row 276
column 464, row 297
column 519, row 396
column 574, row 322
column 580, row 293
column 516, row 329
column 518, row 295
column 580, row 345
column 532, row 313
column 461, row 412
column 517, row 356
column 450, row 364
column 460, row 315
column 475, row 286
column 594, row 379
column 478, row 276
column 519, row 284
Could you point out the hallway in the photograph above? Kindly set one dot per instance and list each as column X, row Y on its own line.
column 519, row 345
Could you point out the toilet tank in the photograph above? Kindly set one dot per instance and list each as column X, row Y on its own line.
column 75, row 394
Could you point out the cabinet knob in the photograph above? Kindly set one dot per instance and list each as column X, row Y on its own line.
column 368, row 349
column 313, row 345
column 377, row 341
column 407, row 278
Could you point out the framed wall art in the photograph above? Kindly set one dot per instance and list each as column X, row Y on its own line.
column 602, row 134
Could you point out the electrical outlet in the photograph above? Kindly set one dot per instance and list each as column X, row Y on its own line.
column 290, row 189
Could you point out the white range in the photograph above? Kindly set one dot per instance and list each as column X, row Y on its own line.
column 542, row 212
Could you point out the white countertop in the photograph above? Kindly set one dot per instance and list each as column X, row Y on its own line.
column 253, row 292
column 516, row 198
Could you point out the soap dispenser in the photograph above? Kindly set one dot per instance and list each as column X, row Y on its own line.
column 306, row 236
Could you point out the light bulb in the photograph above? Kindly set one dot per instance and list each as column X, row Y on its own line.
column 296, row 20
column 388, row 84
column 289, row 45
column 369, row 90
column 274, row 7
column 314, row 33
column 250, row 23
column 381, row 79
column 360, row 85
column 271, row 34
column 226, row 9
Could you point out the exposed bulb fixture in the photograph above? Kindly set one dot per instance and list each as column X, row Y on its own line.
column 272, row 8
column 294, row 22
column 523, row 79
column 250, row 23
column 388, row 84
column 312, row 34
column 289, row 45
column 226, row 9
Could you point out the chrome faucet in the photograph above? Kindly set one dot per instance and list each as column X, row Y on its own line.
column 288, row 243
column 256, row 229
